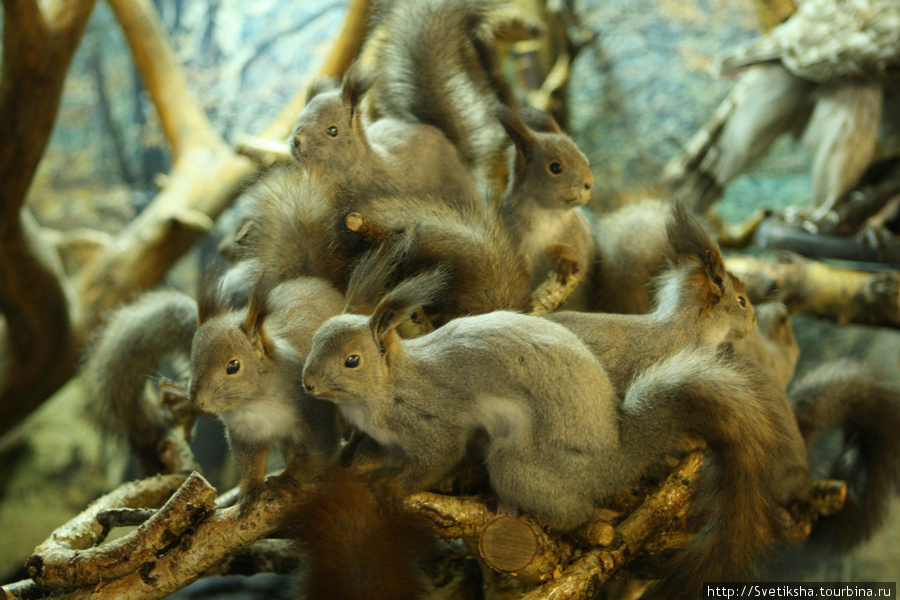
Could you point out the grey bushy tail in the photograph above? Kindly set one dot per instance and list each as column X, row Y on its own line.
column 130, row 346
column 864, row 404
column 708, row 395
column 432, row 73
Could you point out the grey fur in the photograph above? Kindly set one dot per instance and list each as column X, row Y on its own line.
column 698, row 303
column 552, row 417
column 130, row 346
column 542, row 207
column 381, row 156
column 263, row 403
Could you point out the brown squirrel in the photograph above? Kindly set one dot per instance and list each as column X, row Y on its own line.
column 550, row 182
column 858, row 399
column 357, row 541
column 487, row 270
column 698, row 303
column 332, row 141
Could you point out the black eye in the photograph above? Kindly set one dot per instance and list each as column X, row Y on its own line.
column 233, row 367
column 332, row 131
column 352, row 361
column 555, row 168
column 742, row 301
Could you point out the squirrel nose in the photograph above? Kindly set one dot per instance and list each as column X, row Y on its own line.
column 589, row 182
column 299, row 143
column 308, row 385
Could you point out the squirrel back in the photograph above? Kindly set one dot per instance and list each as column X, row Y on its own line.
column 631, row 252
column 129, row 347
column 698, row 303
column 863, row 402
column 357, row 541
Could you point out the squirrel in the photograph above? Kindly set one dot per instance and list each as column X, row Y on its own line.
column 698, row 303
column 357, row 541
column 856, row 398
column 552, row 414
column 550, row 182
column 131, row 344
column 331, row 140
column 245, row 368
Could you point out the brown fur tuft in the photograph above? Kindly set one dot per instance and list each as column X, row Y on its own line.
column 360, row 541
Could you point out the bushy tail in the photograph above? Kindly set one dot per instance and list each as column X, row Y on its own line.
column 130, row 346
column 711, row 396
column 357, row 541
column 431, row 72
column 865, row 405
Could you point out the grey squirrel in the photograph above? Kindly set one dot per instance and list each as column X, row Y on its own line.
column 550, row 182
column 331, row 140
column 552, row 414
column 130, row 345
column 698, row 303
column 246, row 366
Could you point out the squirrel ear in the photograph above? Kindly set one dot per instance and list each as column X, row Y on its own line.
column 354, row 86
column 209, row 301
column 517, row 130
column 402, row 301
column 257, row 310
column 320, row 85
column 538, row 120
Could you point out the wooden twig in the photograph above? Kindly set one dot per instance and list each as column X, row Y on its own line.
column 844, row 295
column 520, row 547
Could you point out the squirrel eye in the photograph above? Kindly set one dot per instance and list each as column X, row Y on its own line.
column 555, row 168
column 352, row 361
column 742, row 301
column 233, row 367
column 332, row 131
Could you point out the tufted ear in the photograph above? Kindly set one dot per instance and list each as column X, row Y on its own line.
column 402, row 301
column 321, row 85
column 690, row 243
column 257, row 310
column 538, row 120
column 354, row 86
column 518, row 131
column 209, row 298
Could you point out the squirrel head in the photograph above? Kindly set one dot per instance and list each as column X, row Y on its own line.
column 231, row 353
column 698, row 277
column 351, row 357
column 330, row 128
column 548, row 166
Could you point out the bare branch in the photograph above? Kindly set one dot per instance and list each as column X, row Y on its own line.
column 56, row 564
